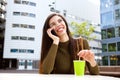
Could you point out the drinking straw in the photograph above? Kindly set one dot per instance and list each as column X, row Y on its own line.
column 81, row 43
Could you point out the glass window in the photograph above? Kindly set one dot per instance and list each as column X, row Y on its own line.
column 25, row 2
column 22, row 63
column 105, row 60
column 104, row 47
column 119, row 31
column 32, row 4
column 107, row 18
column 31, row 15
column 16, row 13
column 31, row 38
column 110, row 33
column 29, row 63
column 104, row 34
column 118, row 61
column 118, row 46
column 105, row 4
column 117, row 14
column 116, row 2
column 116, row 32
column 15, row 25
column 14, row 50
column 22, row 50
column 17, row 1
column 111, row 47
column 23, row 38
column 32, row 26
column 30, row 51
column 113, row 60
column 14, row 37
column 24, row 25
column 24, row 13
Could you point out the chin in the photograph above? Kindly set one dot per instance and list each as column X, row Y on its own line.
column 62, row 34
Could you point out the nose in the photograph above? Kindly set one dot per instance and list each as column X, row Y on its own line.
column 57, row 24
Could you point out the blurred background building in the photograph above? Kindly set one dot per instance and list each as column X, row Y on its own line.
column 110, row 29
column 22, row 34
column 2, row 29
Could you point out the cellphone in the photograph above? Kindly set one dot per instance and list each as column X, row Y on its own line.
column 53, row 32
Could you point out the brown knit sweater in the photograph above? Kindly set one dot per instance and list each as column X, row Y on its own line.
column 58, row 61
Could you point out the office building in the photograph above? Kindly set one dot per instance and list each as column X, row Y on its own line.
column 2, row 29
column 22, row 34
column 110, row 28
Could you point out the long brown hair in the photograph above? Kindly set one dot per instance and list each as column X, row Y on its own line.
column 47, row 41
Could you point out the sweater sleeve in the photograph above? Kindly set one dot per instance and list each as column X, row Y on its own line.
column 92, row 70
column 49, row 61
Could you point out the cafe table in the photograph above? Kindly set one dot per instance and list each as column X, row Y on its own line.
column 30, row 76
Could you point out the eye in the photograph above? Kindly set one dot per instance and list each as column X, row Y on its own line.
column 52, row 24
column 60, row 20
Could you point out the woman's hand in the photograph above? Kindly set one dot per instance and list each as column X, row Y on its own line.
column 55, row 38
column 88, row 56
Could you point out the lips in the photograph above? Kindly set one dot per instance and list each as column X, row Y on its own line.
column 59, row 28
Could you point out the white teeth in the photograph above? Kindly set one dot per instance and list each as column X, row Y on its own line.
column 60, row 29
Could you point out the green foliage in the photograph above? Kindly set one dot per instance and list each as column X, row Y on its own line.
column 111, row 47
column 83, row 29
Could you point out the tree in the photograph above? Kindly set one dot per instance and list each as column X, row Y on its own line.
column 83, row 29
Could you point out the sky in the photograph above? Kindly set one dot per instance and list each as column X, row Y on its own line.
column 97, row 2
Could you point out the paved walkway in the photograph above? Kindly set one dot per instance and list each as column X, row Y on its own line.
column 19, row 71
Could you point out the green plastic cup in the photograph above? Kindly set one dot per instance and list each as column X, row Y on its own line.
column 79, row 67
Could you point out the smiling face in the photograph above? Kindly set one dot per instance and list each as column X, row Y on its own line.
column 58, row 25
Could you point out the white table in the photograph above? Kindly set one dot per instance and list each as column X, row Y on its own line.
column 30, row 76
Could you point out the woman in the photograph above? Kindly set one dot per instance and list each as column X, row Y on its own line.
column 59, row 49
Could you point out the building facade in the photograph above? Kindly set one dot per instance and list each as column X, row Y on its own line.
column 2, row 29
column 110, row 29
column 22, row 34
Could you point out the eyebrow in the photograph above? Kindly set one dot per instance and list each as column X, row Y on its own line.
column 51, row 23
column 58, row 19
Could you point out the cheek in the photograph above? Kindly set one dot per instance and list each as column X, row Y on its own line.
column 55, row 29
column 65, row 28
